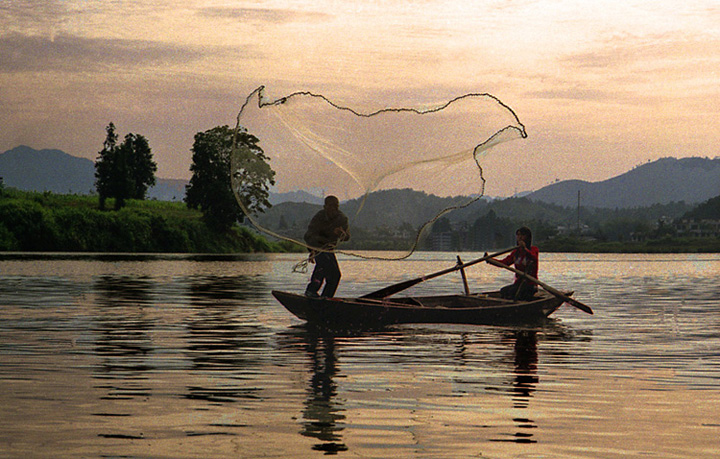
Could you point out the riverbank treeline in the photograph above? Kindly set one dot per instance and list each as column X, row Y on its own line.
column 49, row 222
column 667, row 244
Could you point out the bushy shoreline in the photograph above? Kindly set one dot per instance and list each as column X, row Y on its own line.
column 661, row 245
column 48, row 222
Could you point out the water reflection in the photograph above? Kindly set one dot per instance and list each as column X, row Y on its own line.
column 513, row 374
column 123, row 335
column 224, row 349
column 177, row 358
column 524, row 382
column 525, row 367
column 323, row 413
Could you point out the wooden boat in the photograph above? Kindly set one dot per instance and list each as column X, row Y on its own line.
column 480, row 308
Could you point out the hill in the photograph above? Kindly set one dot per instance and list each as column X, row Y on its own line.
column 294, row 196
column 47, row 170
column 55, row 171
column 692, row 180
column 709, row 210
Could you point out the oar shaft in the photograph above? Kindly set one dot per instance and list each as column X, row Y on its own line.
column 395, row 288
column 547, row 287
column 469, row 263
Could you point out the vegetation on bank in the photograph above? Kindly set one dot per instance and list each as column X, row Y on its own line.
column 666, row 244
column 31, row 221
column 205, row 223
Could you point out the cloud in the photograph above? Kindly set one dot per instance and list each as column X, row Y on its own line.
column 667, row 50
column 633, row 69
column 31, row 12
column 576, row 92
column 263, row 15
column 20, row 52
column 27, row 53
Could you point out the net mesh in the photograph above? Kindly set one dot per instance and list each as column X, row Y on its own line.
column 314, row 144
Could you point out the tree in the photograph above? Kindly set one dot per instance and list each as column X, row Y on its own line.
column 210, row 187
column 124, row 171
column 105, row 166
column 140, row 164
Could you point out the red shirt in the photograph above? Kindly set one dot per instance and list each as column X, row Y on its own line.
column 522, row 258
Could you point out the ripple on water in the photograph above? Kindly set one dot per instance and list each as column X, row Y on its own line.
column 122, row 357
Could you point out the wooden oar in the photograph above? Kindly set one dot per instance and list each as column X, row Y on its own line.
column 550, row 289
column 393, row 289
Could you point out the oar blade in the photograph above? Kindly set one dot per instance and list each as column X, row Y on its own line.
column 392, row 289
column 580, row 305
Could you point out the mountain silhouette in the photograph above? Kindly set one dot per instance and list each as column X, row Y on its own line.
column 28, row 169
column 692, row 180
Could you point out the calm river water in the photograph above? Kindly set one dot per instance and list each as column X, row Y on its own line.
column 191, row 357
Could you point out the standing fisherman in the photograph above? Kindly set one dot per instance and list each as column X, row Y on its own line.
column 326, row 229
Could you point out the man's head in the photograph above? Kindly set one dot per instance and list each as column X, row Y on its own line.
column 332, row 206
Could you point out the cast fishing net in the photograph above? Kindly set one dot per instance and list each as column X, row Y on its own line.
column 314, row 144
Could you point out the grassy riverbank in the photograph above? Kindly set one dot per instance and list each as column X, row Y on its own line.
column 50, row 222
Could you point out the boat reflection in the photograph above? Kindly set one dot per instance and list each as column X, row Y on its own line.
column 324, row 413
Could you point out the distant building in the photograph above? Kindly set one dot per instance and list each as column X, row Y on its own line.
column 563, row 230
column 442, row 242
column 697, row 228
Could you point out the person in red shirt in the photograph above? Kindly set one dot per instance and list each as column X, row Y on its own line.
column 525, row 258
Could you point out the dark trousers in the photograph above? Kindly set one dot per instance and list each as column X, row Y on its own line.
column 521, row 290
column 326, row 269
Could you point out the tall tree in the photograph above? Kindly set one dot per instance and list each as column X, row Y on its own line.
column 104, row 165
column 124, row 171
column 141, row 166
column 210, row 187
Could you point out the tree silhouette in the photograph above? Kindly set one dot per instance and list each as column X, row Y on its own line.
column 124, row 171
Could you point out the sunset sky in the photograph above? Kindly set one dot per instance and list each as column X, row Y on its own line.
column 600, row 86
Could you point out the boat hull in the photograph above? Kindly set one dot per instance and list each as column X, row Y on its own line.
column 479, row 309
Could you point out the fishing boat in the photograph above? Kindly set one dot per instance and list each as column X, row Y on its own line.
column 478, row 308
column 377, row 308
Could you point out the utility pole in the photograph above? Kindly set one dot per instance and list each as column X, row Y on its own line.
column 578, row 213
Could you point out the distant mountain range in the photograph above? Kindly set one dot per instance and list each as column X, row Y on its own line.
column 28, row 169
column 666, row 180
